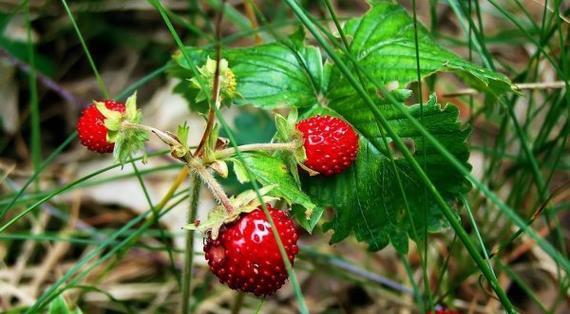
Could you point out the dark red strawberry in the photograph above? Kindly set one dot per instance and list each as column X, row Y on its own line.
column 245, row 255
column 91, row 129
column 330, row 143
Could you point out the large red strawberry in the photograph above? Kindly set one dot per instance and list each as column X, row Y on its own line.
column 245, row 255
column 330, row 143
column 91, row 129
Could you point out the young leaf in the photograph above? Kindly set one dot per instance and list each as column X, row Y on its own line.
column 367, row 197
column 270, row 170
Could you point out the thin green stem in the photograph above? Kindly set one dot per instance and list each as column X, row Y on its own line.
column 37, row 172
column 34, row 105
column 478, row 234
column 100, row 81
column 55, row 289
column 52, row 194
column 424, row 243
column 195, row 186
column 268, row 147
column 155, row 212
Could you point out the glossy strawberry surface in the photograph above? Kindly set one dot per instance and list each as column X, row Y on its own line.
column 331, row 144
column 91, row 128
column 245, row 255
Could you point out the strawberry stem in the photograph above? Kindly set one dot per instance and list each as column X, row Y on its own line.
column 198, row 167
column 228, row 152
column 166, row 137
column 194, row 164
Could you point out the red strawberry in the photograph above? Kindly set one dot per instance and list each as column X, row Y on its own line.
column 92, row 132
column 330, row 143
column 245, row 255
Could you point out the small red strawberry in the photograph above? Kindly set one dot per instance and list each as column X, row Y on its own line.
column 245, row 255
column 330, row 144
column 91, row 129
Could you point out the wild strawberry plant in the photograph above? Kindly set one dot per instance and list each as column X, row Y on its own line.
column 330, row 151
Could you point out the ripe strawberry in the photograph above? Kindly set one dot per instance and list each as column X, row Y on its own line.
column 330, row 143
column 91, row 129
column 245, row 255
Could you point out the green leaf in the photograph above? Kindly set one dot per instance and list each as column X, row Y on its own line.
column 268, row 76
column 270, row 170
column 367, row 197
column 383, row 44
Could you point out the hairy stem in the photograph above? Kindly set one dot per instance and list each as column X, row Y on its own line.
column 198, row 167
column 191, row 162
column 166, row 137
column 189, row 247
column 520, row 86
column 228, row 152
column 216, row 99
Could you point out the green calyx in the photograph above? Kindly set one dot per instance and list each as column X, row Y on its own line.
column 227, row 81
column 287, row 132
column 120, row 130
column 245, row 202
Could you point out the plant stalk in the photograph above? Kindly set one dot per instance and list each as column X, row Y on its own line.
column 217, row 190
column 191, row 162
column 228, row 152
column 196, row 185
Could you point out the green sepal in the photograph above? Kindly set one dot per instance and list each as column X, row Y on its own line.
column 112, row 120
column 287, row 132
column 227, row 81
column 182, row 133
column 245, row 202
column 127, row 139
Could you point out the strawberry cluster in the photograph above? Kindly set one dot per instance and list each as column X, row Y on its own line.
column 240, row 245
